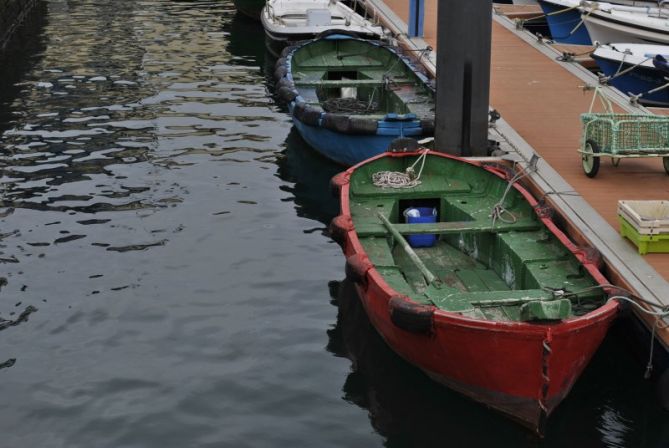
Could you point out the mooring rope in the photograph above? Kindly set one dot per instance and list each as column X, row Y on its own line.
column 498, row 210
column 397, row 179
column 659, row 315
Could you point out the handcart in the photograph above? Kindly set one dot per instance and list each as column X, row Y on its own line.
column 621, row 136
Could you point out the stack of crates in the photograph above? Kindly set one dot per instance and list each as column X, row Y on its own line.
column 646, row 224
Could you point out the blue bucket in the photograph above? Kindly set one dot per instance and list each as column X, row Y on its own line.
column 415, row 215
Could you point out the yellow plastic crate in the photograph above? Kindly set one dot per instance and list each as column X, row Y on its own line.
column 645, row 243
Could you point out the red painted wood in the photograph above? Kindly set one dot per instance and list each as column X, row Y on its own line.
column 522, row 369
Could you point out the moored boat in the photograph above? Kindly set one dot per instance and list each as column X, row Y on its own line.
column 568, row 19
column 564, row 21
column 287, row 21
column 636, row 69
column 350, row 98
column 506, row 310
column 250, row 8
column 607, row 23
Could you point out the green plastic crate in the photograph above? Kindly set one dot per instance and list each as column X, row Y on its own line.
column 645, row 243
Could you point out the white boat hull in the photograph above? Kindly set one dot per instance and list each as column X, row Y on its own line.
column 605, row 28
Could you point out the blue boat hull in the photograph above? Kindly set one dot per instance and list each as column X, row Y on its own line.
column 639, row 80
column 346, row 149
column 561, row 25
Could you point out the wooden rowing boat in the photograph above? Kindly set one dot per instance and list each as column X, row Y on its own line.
column 506, row 310
column 350, row 98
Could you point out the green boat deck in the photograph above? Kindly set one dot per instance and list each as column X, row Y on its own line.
column 505, row 272
column 360, row 71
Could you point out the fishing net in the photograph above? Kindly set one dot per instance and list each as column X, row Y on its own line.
column 349, row 106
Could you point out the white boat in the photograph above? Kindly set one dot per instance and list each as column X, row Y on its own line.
column 608, row 23
column 288, row 21
column 565, row 17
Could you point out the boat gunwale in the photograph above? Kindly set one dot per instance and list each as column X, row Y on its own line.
column 443, row 317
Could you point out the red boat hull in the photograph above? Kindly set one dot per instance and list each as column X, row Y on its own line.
column 523, row 370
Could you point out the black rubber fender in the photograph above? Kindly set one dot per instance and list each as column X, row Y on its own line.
column 285, row 51
column 427, row 127
column 663, row 389
column 285, row 82
column 337, row 122
column 280, row 71
column 362, row 126
column 286, row 94
column 307, row 114
column 357, row 266
column 411, row 316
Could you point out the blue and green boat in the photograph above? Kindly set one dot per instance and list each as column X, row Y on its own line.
column 350, row 98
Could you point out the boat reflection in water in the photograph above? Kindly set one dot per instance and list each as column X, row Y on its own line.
column 610, row 405
column 19, row 56
column 311, row 174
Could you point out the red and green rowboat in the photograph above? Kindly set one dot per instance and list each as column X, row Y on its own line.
column 506, row 311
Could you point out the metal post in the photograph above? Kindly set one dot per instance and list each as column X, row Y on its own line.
column 416, row 17
column 464, row 29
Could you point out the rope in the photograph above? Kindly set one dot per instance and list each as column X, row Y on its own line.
column 619, row 72
column 659, row 315
column 521, row 22
column 397, row 179
column 498, row 211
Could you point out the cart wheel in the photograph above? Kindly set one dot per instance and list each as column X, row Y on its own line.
column 665, row 162
column 590, row 162
column 615, row 161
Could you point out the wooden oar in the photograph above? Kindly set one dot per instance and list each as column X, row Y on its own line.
column 429, row 276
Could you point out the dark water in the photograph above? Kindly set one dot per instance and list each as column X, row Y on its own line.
column 168, row 228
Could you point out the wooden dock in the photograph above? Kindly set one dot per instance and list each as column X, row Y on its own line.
column 540, row 100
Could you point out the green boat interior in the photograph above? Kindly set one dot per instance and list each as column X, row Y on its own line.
column 514, row 269
column 356, row 77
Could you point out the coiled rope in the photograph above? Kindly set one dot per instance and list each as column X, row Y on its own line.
column 397, row 179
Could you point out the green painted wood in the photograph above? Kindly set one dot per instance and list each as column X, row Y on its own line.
column 446, row 228
column 407, row 249
column 480, row 271
column 347, row 82
column 383, row 82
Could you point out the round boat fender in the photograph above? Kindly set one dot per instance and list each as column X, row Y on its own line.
column 280, row 71
column 411, row 316
column 356, row 268
column 307, row 114
column 362, row 126
column 337, row 122
column 339, row 227
column 286, row 94
column 337, row 182
column 427, row 127
column 286, row 51
column 281, row 62
column 663, row 389
column 284, row 82
column 661, row 63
